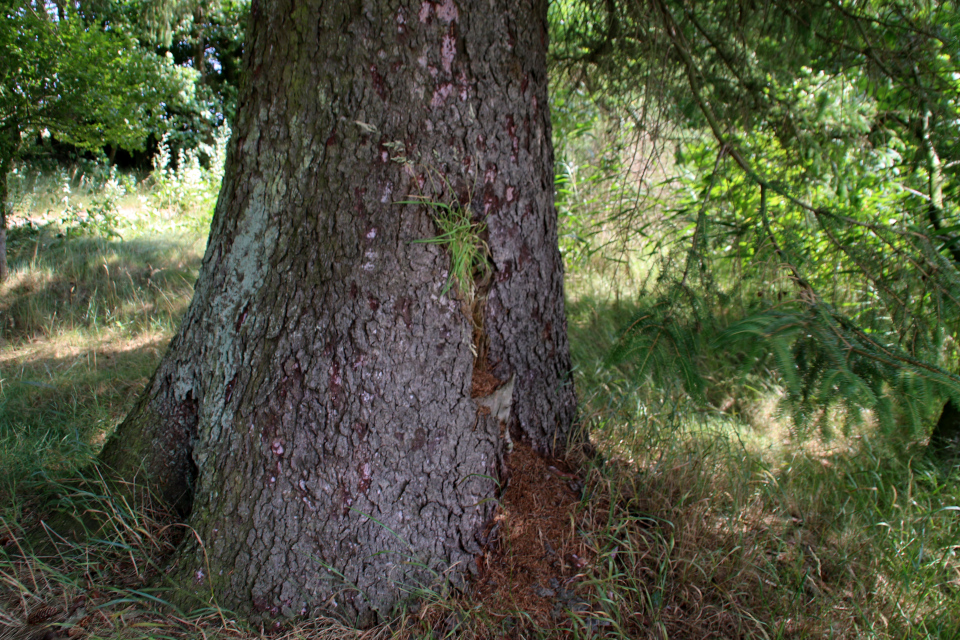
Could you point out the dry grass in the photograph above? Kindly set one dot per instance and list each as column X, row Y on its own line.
column 81, row 558
column 58, row 286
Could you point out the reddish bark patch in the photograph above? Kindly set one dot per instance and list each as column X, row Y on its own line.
column 533, row 551
column 377, row 80
column 402, row 309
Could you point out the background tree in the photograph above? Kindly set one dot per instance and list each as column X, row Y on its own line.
column 329, row 412
column 817, row 205
column 86, row 85
column 205, row 41
column 211, row 42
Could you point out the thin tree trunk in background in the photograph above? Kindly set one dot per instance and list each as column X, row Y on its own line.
column 200, row 50
column 316, row 413
column 3, row 221
column 9, row 148
column 3, row 244
column 945, row 439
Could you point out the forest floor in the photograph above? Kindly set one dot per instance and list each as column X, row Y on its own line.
column 689, row 523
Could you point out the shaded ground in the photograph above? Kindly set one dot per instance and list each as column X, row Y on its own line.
column 527, row 584
column 534, row 557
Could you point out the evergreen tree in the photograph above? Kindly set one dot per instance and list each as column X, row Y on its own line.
column 820, row 145
column 325, row 415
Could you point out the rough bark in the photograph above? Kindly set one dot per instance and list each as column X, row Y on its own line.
column 315, row 412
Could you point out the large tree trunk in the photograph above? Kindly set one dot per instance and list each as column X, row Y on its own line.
column 316, row 413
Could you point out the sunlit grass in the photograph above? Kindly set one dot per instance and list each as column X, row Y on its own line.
column 85, row 316
column 703, row 521
column 59, row 285
column 84, row 319
column 59, row 396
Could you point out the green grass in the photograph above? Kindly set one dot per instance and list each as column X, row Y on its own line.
column 701, row 520
column 85, row 315
column 84, row 322
column 729, row 523
column 84, row 318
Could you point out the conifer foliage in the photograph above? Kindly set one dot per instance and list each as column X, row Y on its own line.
column 818, row 145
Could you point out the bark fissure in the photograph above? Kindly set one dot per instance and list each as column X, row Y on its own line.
column 339, row 452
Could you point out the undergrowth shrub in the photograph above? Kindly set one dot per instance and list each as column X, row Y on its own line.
column 188, row 182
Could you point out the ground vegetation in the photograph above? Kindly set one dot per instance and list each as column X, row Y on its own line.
column 758, row 408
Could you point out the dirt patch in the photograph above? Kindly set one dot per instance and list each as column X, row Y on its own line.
column 534, row 557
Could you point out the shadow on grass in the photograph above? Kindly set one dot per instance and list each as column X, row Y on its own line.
column 58, row 402
column 594, row 324
column 725, row 523
column 57, row 285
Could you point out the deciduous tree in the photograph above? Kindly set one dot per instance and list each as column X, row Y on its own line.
column 86, row 85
